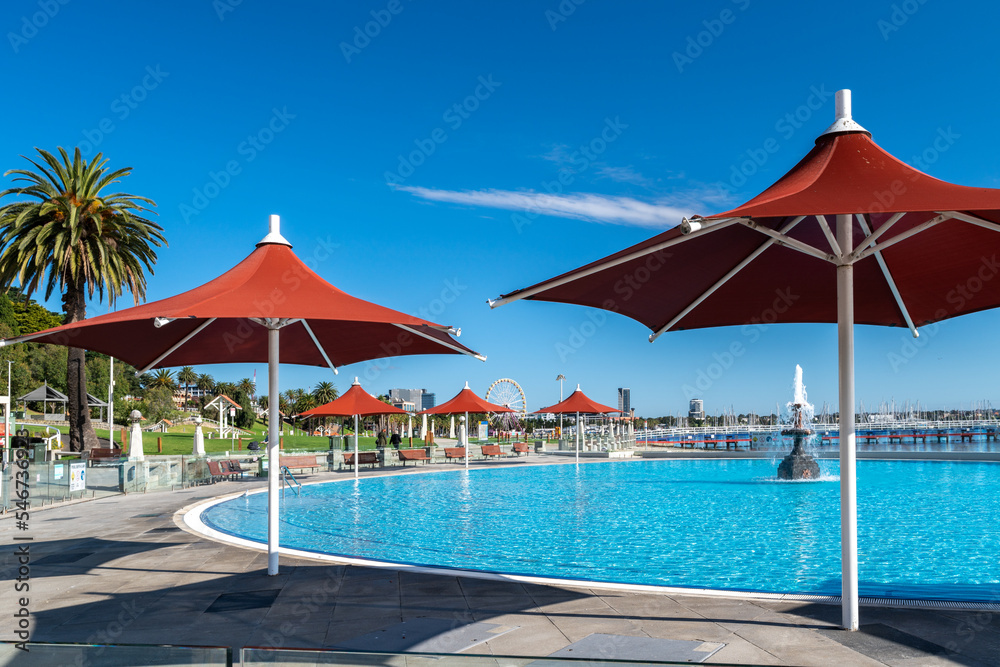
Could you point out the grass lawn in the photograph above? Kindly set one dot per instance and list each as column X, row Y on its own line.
column 180, row 440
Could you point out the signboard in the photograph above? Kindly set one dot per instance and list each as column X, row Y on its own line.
column 484, row 430
column 77, row 477
column 57, row 471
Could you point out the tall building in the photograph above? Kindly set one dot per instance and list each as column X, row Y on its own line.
column 697, row 409
column 421, row 398
column 624, row 401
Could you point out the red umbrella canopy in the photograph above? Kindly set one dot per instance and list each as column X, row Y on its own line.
column 465, row 401
column 355, row 401
column 577, row 402
column 227, row 319
column 924, row 250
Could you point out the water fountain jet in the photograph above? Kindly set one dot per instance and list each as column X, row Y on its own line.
column 798, row 464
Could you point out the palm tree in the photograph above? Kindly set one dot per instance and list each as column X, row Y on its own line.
column 324, row 393
column 72, row 237
column 188, row 377
column 164, row 378
column 247, row 387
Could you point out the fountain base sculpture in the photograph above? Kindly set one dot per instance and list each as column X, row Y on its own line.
column 798, row 464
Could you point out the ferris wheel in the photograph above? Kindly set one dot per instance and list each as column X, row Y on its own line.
column 509, row 393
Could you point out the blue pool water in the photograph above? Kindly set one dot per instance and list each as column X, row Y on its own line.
column 925, row 529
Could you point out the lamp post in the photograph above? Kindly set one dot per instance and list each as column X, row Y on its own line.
column 560, row 378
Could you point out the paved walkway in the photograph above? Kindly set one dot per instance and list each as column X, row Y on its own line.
column 120, row 570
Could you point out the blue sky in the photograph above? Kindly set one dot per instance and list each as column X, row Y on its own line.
column 418, row 165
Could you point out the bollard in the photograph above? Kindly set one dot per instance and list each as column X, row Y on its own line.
column 159, row 445
column 239, row 444
column 281, row 443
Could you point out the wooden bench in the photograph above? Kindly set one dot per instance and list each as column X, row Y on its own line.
column 412, row 455
column 232, row 468
column 103, row 454
column 454, row 453
column 521, row 448
column 492, row 450
column 364, row 459
column 215, row 470
column 299, row 462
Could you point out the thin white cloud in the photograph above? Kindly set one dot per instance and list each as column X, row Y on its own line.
column 662, row 214
column 624, row 175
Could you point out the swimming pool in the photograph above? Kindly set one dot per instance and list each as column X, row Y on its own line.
column 926, row 529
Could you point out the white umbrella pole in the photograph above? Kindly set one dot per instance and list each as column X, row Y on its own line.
column 465, row 435
column 273, row 462
column 355, row 446
column 848, row 468
column 577, row 437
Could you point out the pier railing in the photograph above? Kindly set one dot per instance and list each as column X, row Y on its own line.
column 711, row 432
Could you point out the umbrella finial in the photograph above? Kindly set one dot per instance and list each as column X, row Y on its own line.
column 578, row 387
column 356, row 381
column 843, row 122
column 274, row 233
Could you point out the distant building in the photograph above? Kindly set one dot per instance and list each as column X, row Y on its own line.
column 697, row 409
column 624, row 401
column 411, row 395
column 403, row 405
column 427, row 400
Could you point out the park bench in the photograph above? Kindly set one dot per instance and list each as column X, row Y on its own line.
column 104, row 454
column 492, row 450
column 232, row 468
column 412, row 455
column 299, row 462
column 215, row 470
column 521, row 448
column 454, row 453
column 364, row 458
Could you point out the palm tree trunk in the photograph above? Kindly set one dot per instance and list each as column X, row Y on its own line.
column 81, row 432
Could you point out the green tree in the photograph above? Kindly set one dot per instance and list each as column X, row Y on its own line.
column 163, row 378
column 71, row 236
column 157, row 404
column 187, row 377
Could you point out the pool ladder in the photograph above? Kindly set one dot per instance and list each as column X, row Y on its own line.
column 286, row 474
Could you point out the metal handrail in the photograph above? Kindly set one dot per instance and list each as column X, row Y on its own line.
column 285, row 474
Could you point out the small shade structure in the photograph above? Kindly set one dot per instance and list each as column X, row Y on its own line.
column 46, row 394
column 463, row 403
column 355, row 402
column 269, row 308
column 847, row 214
column 577, row 403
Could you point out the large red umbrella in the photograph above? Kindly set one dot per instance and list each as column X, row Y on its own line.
column 921, row 250
column 578, row 403
column 355, row 402
column 465, row 402
column 238, row 317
